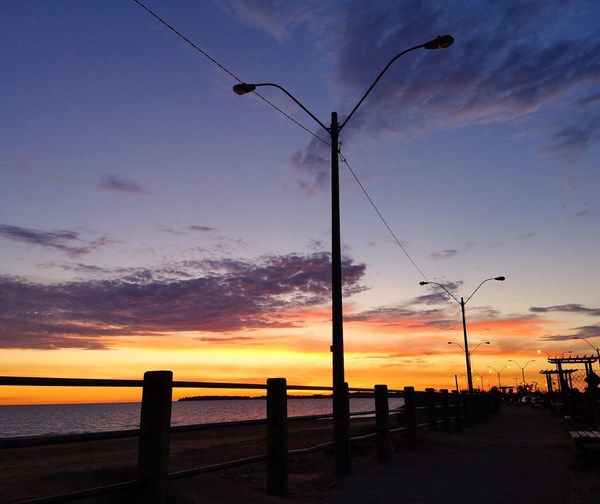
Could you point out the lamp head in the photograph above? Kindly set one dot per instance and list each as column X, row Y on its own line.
column 242, row 89
column 423, row 283
column 500, row 278
column 442, row 42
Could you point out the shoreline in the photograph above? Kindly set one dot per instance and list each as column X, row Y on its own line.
column 522, row 453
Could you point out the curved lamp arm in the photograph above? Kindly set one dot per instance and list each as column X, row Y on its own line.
column 477, row 346
column 440, row 285
column 241, row 89
column 441, row 42
column 498, row 278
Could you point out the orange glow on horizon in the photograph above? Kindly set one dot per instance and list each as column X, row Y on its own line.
column 398, row 355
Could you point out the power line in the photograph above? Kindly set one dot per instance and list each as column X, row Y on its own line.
column 222, row 67
column 342, row 158
column 345, row 161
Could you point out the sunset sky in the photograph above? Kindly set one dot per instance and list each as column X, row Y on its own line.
column 150, row 218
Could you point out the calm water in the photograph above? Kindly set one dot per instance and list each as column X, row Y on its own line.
column 38, row 420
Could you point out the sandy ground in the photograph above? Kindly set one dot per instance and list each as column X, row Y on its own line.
column 522, row 455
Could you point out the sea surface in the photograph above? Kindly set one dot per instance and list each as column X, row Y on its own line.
column 53, row 419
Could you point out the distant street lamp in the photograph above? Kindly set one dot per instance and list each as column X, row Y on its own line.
column 472, row 351
column 341, row 424
column 498, row 373
column 480, row 378
column 462, row 304
column 597, row 349
column 540, row 352
column 522, row 367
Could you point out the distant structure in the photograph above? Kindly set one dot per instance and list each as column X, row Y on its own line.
column 566, row 382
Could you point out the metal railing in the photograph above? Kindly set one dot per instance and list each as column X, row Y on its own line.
column 429, row 409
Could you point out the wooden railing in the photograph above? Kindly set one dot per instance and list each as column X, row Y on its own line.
column 428, row 409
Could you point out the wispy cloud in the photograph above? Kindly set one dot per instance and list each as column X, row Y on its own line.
column 444, row 254
column 276, row 17
column 587, row 332
column 499, row 71
column 119, row 184
column 201, row 229
column 567, row 308
column 314, row 164
column 69, row 242
column 230, row 295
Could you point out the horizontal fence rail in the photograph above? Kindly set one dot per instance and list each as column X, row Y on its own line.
column 429, row 409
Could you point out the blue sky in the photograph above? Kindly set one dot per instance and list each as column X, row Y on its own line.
column 142, row 201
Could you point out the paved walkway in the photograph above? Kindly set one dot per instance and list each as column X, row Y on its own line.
column 522, row 455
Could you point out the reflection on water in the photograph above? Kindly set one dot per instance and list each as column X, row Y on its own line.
column 39, row 420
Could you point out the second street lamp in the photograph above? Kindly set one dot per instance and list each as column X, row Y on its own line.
column 597, row 349
column 470, row 352
column 522, row 368
column 341, row 420
column 462, row 304
column 491, row 368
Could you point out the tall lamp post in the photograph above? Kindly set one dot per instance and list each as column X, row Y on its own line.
column 522, row 367
column 597, row 349
column 462, row 304
column 498, row 373
column 470, row 352
column 341, row 424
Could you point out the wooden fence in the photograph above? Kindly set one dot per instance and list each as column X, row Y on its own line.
column 428, row 409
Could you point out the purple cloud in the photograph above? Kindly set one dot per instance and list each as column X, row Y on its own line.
column 567, row 308
column 116, row 183
column 443, row 254
column 202, row 229
column 68, row 242
column 500, row 70
column 231, row 295
column 587, row 332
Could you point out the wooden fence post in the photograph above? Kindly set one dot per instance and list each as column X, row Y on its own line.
column 382, row 422
column 153, row 448
column 458, row 421
column 277, row 437
column 481, row 406
column 467, row 406
column 447, row 423
column 411, row 415
column 431, row 408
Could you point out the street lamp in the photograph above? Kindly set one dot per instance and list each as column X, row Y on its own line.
column 480, row 378
column 341, row 424
column 540, row 352
column 462, row 304
column 522, row 368
column 490, row 368
column 471, row 352
column 597, row 349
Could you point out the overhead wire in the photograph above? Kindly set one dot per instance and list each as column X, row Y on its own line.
column 222, row 67
column 278, row 109
column 382, row 218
